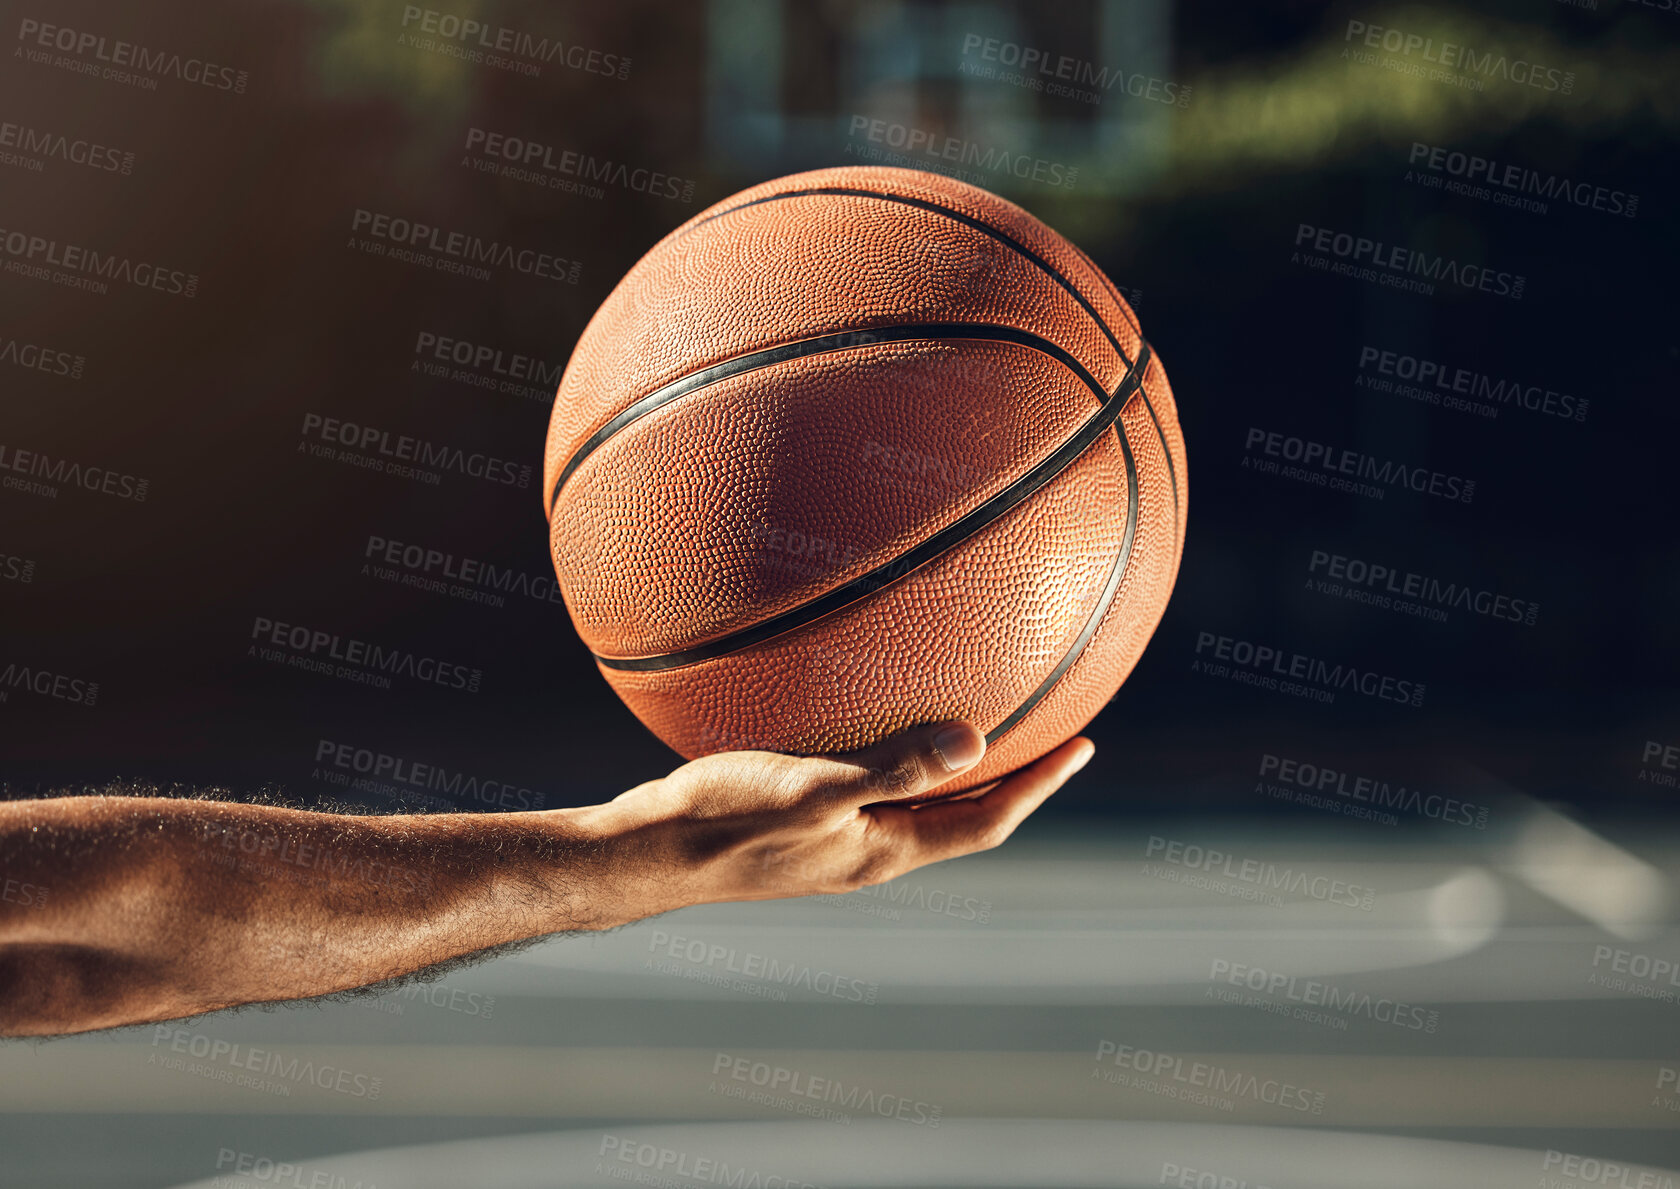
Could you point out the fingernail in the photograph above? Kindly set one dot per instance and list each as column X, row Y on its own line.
column 959, row 746
column 1082, row 760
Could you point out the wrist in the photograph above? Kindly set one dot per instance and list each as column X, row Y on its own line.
column 616, row 867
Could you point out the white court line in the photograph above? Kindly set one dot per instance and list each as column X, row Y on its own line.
column 982, row 1154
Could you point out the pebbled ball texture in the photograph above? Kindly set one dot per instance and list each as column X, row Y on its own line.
column 750, row 496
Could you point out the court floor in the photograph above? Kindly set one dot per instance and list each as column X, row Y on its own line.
column 1186, row 1002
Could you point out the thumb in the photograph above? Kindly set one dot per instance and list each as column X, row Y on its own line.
column 911, row 762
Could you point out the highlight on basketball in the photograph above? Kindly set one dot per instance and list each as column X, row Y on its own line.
column 865, row 772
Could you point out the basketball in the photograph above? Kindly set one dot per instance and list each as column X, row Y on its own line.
column 859, row 449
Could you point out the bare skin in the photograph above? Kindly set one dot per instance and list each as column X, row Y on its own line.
column 120, row 910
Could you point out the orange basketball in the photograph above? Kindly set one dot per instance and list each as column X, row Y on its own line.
column 859, row 449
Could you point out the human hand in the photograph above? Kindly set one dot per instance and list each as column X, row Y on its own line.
column 758, row 825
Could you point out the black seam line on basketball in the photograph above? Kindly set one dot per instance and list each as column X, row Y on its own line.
column 1002, row 237
column 783, row 352
column 913, row 559
column 1110, row 589
column 979, row 225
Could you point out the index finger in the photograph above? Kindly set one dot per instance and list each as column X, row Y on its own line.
column 961, row 826
column 901, row 767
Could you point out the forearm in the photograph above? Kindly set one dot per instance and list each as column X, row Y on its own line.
column 129, row 910
column 146, row 909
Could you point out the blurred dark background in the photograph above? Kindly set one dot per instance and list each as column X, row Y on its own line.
column 1216, row 132
column 191, row 278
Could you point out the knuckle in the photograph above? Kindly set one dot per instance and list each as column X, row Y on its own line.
column 991, row 833
column 903, row 775
column 826, row 770
column 789, row 867
column 798, row 780
column 877, row 866
column 879, row 859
